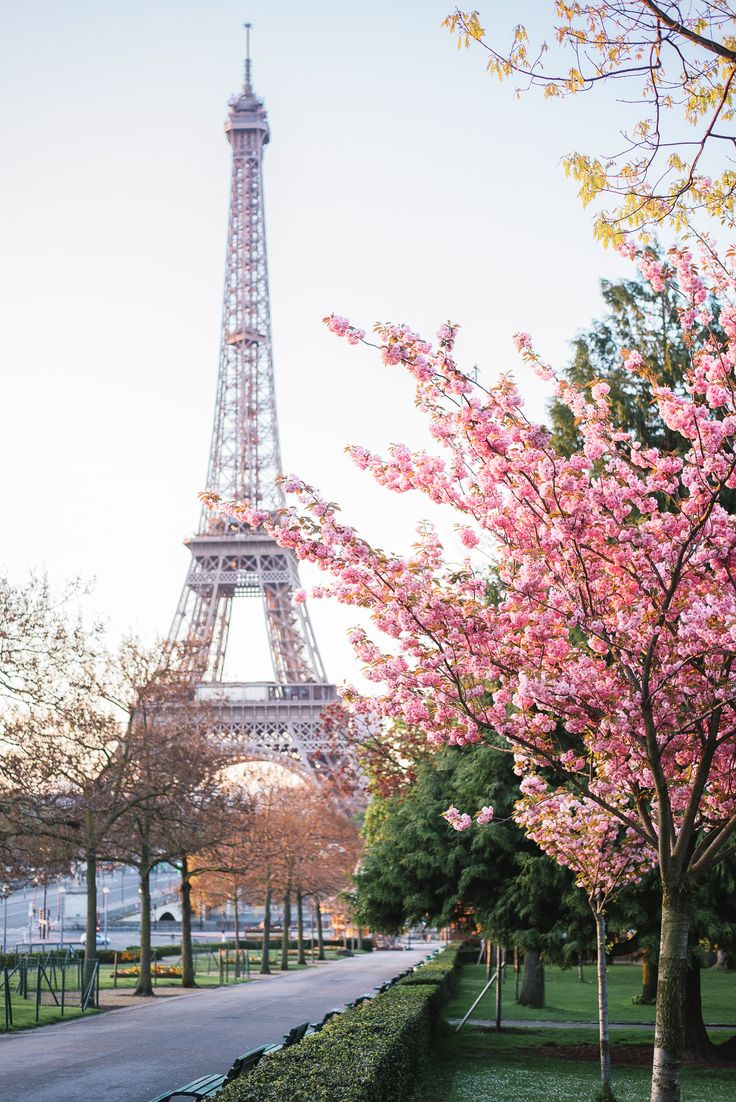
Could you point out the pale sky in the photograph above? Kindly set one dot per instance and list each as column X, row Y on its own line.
column 401, row 183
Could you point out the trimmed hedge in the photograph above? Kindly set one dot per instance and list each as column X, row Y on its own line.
column 374, row 1053
column 441, row 970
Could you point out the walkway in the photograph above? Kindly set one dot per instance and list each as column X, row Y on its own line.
column 540, row 1023
column 130, row 1055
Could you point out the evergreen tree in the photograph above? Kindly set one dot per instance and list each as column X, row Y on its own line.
column 638, row 318
column 418, row 869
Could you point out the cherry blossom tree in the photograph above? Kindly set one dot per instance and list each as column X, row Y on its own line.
column 604, row 855
column 600, row 639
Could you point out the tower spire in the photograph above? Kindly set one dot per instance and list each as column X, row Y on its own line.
column 247, row 86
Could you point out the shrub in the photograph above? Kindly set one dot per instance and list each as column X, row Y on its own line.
column 442, row 970
column 372, row 1053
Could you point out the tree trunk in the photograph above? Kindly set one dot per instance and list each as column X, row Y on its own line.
column 285, row 935
column 532, row 985
column 90, row 939
column 649, row 979
column 697, row 1045
column 144, row 986
column 301, row 959
column 187, row 956
column 500, row 954
column 581, row 973
column 236, row 923
column 266, row 950
column 669, row 1029
column 603, row 1036
column 320, row 937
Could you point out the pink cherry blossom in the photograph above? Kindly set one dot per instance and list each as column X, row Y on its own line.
column 457, row 820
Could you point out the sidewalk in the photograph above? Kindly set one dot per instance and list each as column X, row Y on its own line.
column 530, row 1023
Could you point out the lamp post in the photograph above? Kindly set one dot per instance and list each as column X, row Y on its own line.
column 6, row 893
column 105, row 894
column 44, row 912
column 62, row 900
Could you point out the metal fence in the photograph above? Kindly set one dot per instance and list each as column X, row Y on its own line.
column 51, row 979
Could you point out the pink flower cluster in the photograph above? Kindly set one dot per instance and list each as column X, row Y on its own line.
column 343, row 328
column 457, row 820
column 603, row 851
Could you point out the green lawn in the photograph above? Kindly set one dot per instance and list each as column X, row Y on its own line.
column 24, row 1014
column 561, row 1065
column 488, row 1067
column 570, row 1000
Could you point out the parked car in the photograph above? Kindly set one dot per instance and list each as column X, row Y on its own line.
column 101, row 941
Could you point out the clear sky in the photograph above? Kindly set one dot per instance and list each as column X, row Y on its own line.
column 401, row 184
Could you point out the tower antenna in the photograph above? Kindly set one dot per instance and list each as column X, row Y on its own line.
column 247, row 86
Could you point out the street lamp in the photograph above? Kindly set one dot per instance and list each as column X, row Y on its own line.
column 5, row 894
column 62, row 900
column 105, row 893
column 43, row 925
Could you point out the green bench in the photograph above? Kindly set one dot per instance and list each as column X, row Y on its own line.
column 209, row 1085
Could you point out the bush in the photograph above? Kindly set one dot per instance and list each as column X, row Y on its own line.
column 372, row 1053
column 441, row 970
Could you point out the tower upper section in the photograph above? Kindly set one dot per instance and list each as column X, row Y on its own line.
column 246, row 109
column 245, row 457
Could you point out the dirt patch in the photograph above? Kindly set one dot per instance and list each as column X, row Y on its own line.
column 634, row 1056
column 112, row 1000
column 621, row 1055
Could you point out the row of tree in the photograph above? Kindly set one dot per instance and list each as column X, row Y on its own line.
column 107, row 757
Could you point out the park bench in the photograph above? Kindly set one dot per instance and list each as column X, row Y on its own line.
column 295, row 1035
column 209, row 1085
column 362, row 998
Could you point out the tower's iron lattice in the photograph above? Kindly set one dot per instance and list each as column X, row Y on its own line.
column 229, row 560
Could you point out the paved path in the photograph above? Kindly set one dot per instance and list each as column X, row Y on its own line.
column 530, row 1023
column 130, row 1055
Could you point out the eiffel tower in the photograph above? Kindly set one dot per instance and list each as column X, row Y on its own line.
column 267, row 720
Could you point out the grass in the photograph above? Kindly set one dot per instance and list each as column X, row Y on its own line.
column 24, row 1014
column 526, row 1064
column 203, row 977
column 570, row 1000
column 504, row 1068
